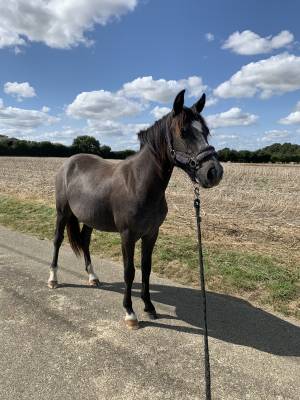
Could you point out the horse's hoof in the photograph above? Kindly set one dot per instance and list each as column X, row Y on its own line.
column 132, row 324
column 151, row 314
column 52, row 284
column 131, row 321
column 94, row 283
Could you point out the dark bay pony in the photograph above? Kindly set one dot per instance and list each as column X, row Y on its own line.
column 129, row 197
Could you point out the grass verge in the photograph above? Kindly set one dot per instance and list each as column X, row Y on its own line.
column 263, row 279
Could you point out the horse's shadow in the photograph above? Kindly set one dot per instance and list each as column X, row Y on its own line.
column 229, row 318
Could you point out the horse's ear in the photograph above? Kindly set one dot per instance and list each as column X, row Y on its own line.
column 199, row 105
column 178, row 103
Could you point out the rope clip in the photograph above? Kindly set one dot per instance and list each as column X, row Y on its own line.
column 197, row 198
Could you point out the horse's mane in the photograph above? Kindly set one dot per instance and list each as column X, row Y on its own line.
column 155, row 137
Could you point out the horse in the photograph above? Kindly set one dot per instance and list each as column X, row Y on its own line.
column 129, row 196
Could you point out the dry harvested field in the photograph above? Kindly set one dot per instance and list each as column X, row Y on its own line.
column 257, row 206
column 251, row 227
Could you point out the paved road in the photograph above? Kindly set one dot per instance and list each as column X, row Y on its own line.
column 70, row 343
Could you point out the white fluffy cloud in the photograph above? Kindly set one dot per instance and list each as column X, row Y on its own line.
column 233, row 117
column 57, row 23
column 211, row 101
column 274, row 135
column 64, row 135
column 101, row 104
column 159, row 112
column 19, row 90
column 21, row 119
column 210, row 37
column 105, row 105
column 224, row 140
column 293, row 117
column 250, row 43
column 161, row 90
column 226, row 136
column 115, row 134
column 275, row 75
column 109, row 127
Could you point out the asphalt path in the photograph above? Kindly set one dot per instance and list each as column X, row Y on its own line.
column 71, row 342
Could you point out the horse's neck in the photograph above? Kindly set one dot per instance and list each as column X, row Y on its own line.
column 155, row 173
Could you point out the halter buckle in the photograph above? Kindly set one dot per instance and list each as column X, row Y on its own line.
column 193, row 163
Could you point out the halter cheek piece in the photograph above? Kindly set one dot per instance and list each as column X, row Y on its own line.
column 186, row 161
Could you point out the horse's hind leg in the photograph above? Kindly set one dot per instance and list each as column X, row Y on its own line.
column 128, row 245
column 61, row 221
column 85, row 234
column 148, row 243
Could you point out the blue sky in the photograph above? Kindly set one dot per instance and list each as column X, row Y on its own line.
column 110, row 68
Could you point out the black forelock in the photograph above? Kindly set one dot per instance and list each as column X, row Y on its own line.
column 188, row 115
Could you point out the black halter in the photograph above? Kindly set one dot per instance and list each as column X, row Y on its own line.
column 185, row 160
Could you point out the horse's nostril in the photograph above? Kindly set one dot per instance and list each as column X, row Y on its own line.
column 212, row 174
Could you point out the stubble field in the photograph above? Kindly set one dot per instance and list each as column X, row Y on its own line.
column 251, row 226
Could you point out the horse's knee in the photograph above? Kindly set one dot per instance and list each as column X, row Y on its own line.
column 129, row 274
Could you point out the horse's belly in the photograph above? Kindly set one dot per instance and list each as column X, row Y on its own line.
column 97, row 216
column 106, row 226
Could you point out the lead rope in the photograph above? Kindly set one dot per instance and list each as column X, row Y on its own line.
column 202, row 282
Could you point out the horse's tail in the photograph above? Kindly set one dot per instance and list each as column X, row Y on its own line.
column 74, row 236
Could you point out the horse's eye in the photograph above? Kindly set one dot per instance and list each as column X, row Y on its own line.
column 184, row 132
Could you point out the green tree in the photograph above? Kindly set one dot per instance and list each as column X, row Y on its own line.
column 105, row 151
column 224, row 154
column 86, row 144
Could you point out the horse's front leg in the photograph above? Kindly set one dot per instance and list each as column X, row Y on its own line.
column 148, row 243
column 128, row 245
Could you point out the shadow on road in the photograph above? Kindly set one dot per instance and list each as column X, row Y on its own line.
column 229, row 318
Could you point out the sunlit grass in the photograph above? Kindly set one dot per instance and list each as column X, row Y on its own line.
column 262, row 278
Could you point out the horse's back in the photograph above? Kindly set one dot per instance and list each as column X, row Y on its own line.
column 87, row 164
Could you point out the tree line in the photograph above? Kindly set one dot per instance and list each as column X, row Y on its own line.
column 277, row 152
column 274, row 153
column 82, row 144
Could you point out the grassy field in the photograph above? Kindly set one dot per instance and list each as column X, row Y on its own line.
column 251, row 227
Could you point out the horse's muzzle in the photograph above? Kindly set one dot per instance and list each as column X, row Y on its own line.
column 210, row 173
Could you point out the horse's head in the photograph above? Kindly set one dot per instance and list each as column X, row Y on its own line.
column 188, row 146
